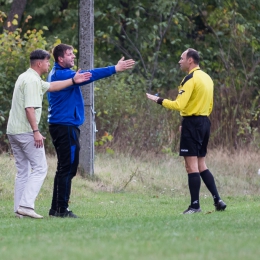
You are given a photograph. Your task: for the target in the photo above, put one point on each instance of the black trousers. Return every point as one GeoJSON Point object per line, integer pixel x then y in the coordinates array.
{"type": "Point", "coordinates": [66, 142]}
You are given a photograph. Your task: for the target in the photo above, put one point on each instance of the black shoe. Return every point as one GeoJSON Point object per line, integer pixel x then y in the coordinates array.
{"type": "Point", "coordinates": [52, 213]}
{"type": "Point", "coordinates": [220, 205]}
{"type": "Point", "coordinates": [190, 210]}
{"type": "Point", "coordinates": [66, 214]}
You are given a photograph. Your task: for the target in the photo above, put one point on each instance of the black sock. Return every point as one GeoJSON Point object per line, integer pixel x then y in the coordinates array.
{"type": "Point", "coordinates": [209, 181]}
{"type": "Point", "coordinates": [194, 186]}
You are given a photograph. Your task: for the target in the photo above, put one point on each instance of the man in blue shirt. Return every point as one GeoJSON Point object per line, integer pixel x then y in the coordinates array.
{"type": "Point", "coordinates": [66, 114]}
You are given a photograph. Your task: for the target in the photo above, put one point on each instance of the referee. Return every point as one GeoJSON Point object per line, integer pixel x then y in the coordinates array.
{"type": "Point", "coordinates": [195, 103]}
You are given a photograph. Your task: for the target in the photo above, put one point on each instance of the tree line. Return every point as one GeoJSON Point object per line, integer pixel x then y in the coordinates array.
{"type": "Point", "coordinates": [154, 33]}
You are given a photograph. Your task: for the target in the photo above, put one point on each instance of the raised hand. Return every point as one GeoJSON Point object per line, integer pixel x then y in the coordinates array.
{"type": "Point", "coordinates": [81, 77]}
{"type": "Point", "coordinates": [124, 64]}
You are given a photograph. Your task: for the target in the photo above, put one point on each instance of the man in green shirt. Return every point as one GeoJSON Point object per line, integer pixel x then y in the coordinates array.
{"type": "Point", "coordinates": [23, 133]}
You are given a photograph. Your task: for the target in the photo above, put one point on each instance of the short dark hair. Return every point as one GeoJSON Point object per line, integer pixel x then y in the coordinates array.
{"type": "Point", "coordinates": [59, 51]}
{"type": "Point", "coordinates": [191, 53]}
{"type": "Point", "coordinates": [39, 54]}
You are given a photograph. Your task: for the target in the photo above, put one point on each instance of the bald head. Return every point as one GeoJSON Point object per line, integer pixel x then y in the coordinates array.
{"type": "Point", "coordinates": [189, 60]}
{"type": "Point", "coordinates": [191, 53]}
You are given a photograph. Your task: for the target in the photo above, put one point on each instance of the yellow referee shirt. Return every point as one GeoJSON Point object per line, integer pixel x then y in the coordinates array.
{"type": "Point", "coordinates": [195, 97]}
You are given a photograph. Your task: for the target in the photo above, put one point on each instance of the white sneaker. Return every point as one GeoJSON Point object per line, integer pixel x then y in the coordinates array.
{"type": "Point", "coordinates": [28, 212]}
{"type": "Point", "coordinates": [17, 215]}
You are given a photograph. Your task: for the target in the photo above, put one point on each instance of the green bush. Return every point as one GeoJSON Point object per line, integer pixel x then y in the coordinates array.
{"type": "Point", "coordinates": [136, 123]}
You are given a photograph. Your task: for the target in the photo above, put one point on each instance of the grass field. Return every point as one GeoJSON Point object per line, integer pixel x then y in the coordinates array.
{"type": "Point", "coordinates": [131, 210]}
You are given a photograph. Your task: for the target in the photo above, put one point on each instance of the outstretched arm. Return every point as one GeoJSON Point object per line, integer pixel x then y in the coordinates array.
{"type": "Point", "coordinates": [78, 78]}
{"type": "Point", "coordinates": [100, 73]}
{"type": "Point", "coordinates": [152, 97]}
{"type": "Point", "coordinates": [124, 64]}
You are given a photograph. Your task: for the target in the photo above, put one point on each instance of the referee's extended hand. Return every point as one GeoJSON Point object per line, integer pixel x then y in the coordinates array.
{"type": "Point", "coordinates": [152, 97]}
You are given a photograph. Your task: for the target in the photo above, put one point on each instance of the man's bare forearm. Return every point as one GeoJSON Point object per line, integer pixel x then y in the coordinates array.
{"type": "Point", "coordinates": [30, 114]}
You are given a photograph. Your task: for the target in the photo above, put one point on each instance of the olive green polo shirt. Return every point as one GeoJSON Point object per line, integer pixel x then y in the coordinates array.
{"type": "Point", "coordinates": [28, 92]}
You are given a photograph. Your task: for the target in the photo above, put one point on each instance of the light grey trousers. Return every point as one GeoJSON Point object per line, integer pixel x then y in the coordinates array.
{"type": "Point", "coordinates": [31, 169]}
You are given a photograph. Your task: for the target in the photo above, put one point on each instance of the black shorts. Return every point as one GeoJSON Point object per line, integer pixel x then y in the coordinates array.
{"type": "Point", "coordinates": [195, 133]}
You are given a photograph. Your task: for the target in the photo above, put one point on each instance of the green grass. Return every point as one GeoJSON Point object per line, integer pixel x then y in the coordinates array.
{"type": "Point", "coordinates": [133, 226]}
{"type": "Point", "coordinates": [143, 221]}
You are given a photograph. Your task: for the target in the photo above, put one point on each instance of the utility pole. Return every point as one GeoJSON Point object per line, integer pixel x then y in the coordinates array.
{"type": "Point", "coordinates": [86, 61]}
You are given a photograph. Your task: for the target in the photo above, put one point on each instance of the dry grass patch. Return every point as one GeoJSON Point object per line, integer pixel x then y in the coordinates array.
{"type": "Point", "coordinates": [235, 174]}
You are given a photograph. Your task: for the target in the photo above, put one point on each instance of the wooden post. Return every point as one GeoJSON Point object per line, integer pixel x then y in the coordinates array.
{"type": "Point", "coordinates": [86, 61]}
